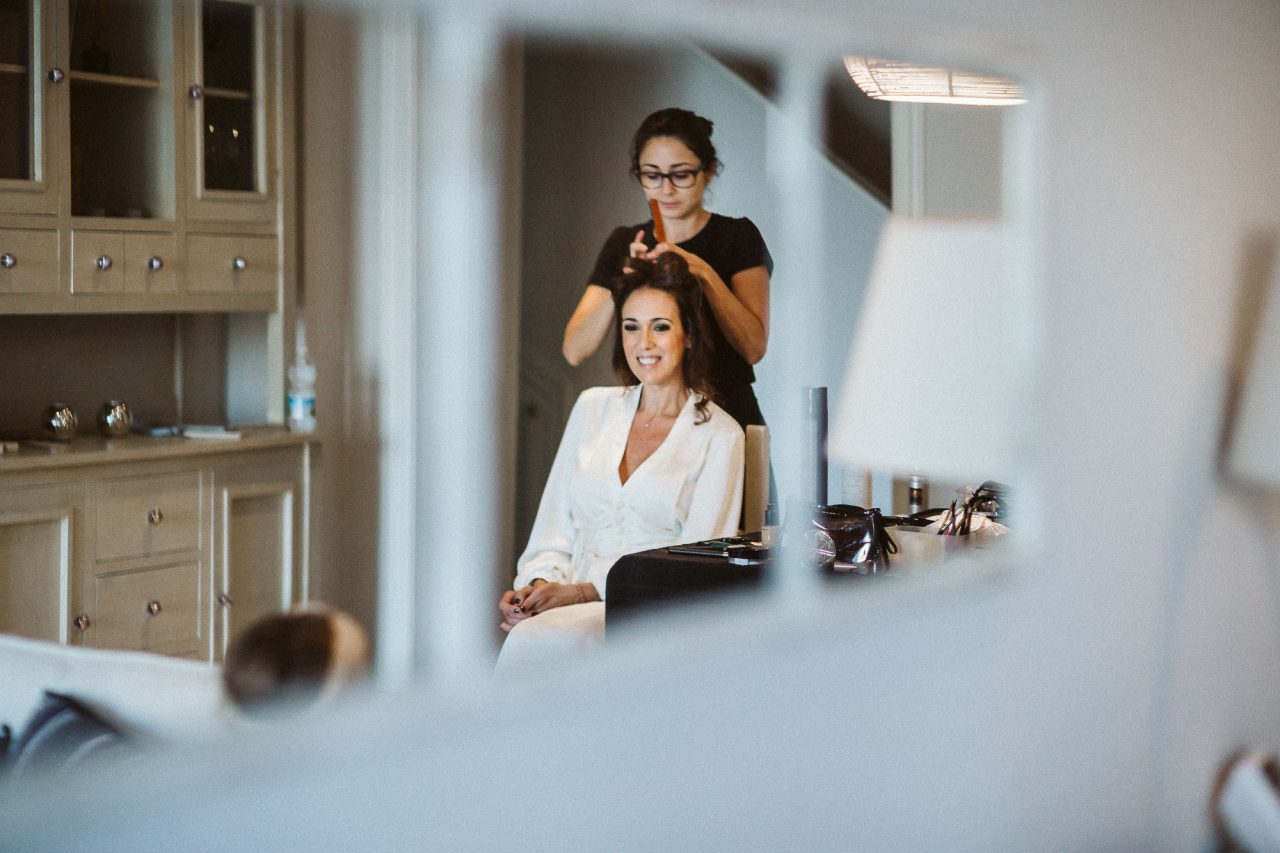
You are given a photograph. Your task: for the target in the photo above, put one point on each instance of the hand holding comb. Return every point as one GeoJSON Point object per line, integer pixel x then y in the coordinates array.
{"type": "Point", "coordinates": [659, 232]}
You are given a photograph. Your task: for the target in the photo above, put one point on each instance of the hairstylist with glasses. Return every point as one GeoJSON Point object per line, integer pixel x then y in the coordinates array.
{"type": "Point", "coordinates": [674, 160]}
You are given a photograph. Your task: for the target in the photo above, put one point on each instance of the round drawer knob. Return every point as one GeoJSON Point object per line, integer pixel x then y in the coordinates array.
{"type": "Point", "coordinates": [154, 516]}
{"type": "Point", "coordinates": [153, 607]}
{"type": "Point", "coordinates": [83, 622]}
{"type": "Point", "coordinates": [8, 261]}
{"type": "Point", "coordinates": [196, 92]}
{"type": "Point", "coordinates": [239, 264]}
{"type": "Point", "coordinates": [225, 600]}
{"type": "Point", "coordinates": [104, 262]}
{"type": "Point", "coordinates": [55, 75]}
{"type": "Point", "coordinates": [156, 263]}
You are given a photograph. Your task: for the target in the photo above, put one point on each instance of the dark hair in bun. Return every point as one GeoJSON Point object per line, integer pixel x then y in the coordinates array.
{"type": "Point", "coordinates": [689, 127]}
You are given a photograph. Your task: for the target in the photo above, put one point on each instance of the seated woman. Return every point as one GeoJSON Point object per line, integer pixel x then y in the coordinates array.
{"type": "Point", "coordinates": [650, 464]}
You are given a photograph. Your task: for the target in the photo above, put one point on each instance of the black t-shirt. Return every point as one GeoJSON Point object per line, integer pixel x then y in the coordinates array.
{"type": "Point", "coordinates": [729, 246]}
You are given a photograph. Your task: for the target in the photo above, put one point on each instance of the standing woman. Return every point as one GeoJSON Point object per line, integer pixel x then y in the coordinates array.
{"type": "Point", "coordinates": [674, 160]}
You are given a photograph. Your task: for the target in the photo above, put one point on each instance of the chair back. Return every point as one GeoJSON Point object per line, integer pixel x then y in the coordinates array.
{"type": "Point", "coordinates": [755, 481]}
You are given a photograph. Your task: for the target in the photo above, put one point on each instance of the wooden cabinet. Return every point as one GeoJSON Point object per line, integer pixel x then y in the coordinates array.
{"type": "Point", "coordinates": [146, 168]}
{"type": "Point", "coordinates": [173, 554]}
{"type": "Point", "coordinates": [29, 181]}
{"type": "Point", "coordinates": [117, 107]}
{"type": "Point", "coordinates": [257, 522]}
{"type": "Point", "coordinates": [148, 514]}
{"type": "Point", "coordinates": [144, 587]}
{"type": "Point", "coordinates": [231, 51]}
{"type": "Point", "coordinates": [139, 138]}
{"type": "Point", "coordinates": [154, 608]}
{"type": "Point", "coordinates": [232, 264]}
{"type": "Point", "coordinates": [123, 262]}
{"type": "Point", "coordinates": [41, 531]}
{"type": "Point", "coordinates": [28, 261]}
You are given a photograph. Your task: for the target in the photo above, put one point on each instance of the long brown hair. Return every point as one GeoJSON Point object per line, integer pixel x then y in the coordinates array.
{"type": "Point", "coordinates": [670, 274]}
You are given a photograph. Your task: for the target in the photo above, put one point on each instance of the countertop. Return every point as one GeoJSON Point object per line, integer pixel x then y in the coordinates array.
{"type": "Point", "coordinates": [97, 450]}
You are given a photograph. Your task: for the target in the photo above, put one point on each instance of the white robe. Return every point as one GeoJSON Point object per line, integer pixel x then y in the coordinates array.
{"type": "Point", "coordinates": [688, 490]}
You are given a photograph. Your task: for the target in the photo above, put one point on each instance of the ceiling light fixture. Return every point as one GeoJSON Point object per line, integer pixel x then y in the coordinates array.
{"type": "Point", "coordinates": [895, 80]}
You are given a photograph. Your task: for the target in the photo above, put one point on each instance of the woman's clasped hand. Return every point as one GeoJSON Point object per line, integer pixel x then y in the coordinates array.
{"type": "Point", "coordinates": [519, 604]}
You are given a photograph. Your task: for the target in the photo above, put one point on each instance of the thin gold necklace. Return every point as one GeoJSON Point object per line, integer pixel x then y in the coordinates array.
{"type": "Point", "coordinates": [649, 422]}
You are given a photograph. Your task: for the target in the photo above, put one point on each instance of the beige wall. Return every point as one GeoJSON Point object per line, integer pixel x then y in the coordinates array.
{"type": "Point", "coordinates": [84, 360]}
{"type": "Point", "coordinates": [345, 498]}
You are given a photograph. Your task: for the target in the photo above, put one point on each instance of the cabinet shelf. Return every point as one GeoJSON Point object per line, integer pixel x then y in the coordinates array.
{"type": "Point", "coordinates": [97, 79]}
{"type": "Point", "coordinates": [11, 68]}
{"type": "Point", "coordinates": [228, 94]}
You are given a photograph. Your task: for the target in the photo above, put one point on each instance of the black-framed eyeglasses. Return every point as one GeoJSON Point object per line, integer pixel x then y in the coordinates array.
{"type": "Point", "coordinates": [681, 179]}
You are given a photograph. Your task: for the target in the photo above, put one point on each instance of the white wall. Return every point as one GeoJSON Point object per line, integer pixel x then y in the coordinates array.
{"type": "Point", "coordinates": [1081, 698]}
{"type": "Point", "coordinates": [948, 162]}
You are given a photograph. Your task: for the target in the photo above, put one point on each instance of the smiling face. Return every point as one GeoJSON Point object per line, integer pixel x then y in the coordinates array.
{"type": "Point", "coordinates": [653, 337]}
{"type": "Point", "coordinates": [668, 155]}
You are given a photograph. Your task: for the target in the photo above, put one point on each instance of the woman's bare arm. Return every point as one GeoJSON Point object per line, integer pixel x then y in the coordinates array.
{"type": "Point", "coordinates": [741, 307]}
{"type": "Point", "coordinates": [742, 310]}
{"type": "Point", "coordinates": [589, 325]}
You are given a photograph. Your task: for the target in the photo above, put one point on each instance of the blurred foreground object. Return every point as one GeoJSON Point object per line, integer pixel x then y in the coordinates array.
{"type": "Point", "coordinates": [287, 661]}
{"type": "Point", "coordinates": [1251, 456]}
{"type": "Point", "coordinates": [1247, 803]}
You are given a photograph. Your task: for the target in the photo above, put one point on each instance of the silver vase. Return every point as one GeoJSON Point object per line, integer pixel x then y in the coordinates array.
{"type": "Point", "coordinates": [114, 419]}
{"type": "Point", "coordinates": [60, 421]}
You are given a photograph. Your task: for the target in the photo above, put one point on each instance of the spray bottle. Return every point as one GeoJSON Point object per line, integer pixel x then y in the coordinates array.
{"type": "Point", "coordinates": [302, 386]}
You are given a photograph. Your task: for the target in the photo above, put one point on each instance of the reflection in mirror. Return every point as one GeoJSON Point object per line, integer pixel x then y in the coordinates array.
{"type": "Point", "coordinates": [596, 96]}
{"type": "Point", "coordinates": [861, 161]}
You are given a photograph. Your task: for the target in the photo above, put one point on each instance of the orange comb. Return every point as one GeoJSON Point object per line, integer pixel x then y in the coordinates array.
{"type": "Point", "coordinates": [659, 232]}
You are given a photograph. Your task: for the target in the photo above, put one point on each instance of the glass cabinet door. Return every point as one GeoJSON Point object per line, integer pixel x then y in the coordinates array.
{"type": "Point", "coordinates": [230, 107]}
{"type": "Point", "coordinates": [29, 85]}
{"type": "Point", "coordinates": [122, 124]}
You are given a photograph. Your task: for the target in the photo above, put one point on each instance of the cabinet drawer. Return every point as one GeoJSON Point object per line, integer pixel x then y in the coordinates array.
{"type": "Point", "coordinates": [231, 264]}
{"type": "Point", "coordinates": [28, 261]}
{"type": "Point", "coordinates": [154, 609]}
{"type": "Point", "coordinates": [140, 516]}
{"type": "Point", "coordinates": [97, 262]}
{"type": "Point", "coordinates": [129, 262]}
{"type": "Point", "coordinates": [150, 263]}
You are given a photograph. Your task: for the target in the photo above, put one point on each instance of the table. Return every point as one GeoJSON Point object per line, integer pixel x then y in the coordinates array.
{"type": "Point", "coordinates": [646, 580]}
{"type": "Point", "coordinates": [649, 580]}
